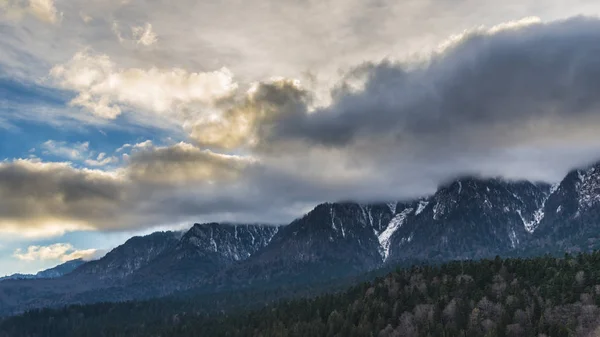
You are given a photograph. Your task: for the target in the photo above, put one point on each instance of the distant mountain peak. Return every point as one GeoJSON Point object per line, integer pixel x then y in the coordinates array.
{"type": "Point", "coordinates": [54, 272]}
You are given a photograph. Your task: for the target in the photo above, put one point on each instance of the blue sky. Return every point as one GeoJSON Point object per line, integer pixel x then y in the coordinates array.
{"type": "Point", "coordinates": [119, 118]}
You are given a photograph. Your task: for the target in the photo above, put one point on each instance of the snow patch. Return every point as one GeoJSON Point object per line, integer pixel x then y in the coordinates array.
{"type": "Point", "coordinates": [437, 210]}
{"type": "Point", "coordinates": [332, 216]}
{"type": "Point", "coordinates": [392, 207]}
{"type": "Point", "coordinates": [421, 207]}
{"type": "Point", "coordinates": [588, 189]}
{"type": "Point", "coordinates": [393, 226]}
{"type": "Point", "coordinates": [530, 226]}
{"type": "Point", "coordinates": [212, 240]}
{"type": "Point", "coordinates": [554, 187]}
{"type": "Point", "coordinates": [514, 241]}
{"type": "Point", "coordinates": [539, 214]}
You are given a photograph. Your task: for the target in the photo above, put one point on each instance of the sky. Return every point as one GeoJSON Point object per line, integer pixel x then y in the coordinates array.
{"type": "Point", "coordinates": [123, 117]}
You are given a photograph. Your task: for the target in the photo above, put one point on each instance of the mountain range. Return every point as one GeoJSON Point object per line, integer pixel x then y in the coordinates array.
{"type": "Point", "coordinates": [58, 271]}
{"type": "Point", "coordinates": [469, 218]}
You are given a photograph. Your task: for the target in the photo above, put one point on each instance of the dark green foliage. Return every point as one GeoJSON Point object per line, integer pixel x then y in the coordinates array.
{"type": "Point", "coordinates": [543, 296]}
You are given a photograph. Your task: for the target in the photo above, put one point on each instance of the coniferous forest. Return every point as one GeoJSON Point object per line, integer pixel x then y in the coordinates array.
{"type": "Point", "coordinates": [543, 296]}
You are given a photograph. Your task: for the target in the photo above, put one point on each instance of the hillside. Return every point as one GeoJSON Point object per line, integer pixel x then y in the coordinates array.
{"type": "Point", "coordinates": [543, 296]}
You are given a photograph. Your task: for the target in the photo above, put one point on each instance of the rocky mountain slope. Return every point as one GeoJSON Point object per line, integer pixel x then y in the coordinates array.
{"type": "Point", "coordinates": [570, 218]}
{"type": "Point", "coordinates": [127, 258]}
{"type": "Point", "coordinates": [202, 251]}
{"type": "Point", "coordinates": [469, 218]}
{"type": "Point", "coordinates": [142, 267]}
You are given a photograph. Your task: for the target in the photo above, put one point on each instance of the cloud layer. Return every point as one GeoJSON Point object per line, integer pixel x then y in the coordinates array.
{"type": "Point", "coordinates": [518, 100]}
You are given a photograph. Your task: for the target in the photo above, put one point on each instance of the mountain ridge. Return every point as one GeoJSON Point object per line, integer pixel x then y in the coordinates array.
{"type": "Point", "coordinates": [468, 218]}
{"type": "Point", "coordinates": [56, 271]}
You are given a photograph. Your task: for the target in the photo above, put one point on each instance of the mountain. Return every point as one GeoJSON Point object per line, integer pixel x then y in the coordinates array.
{"type": "Point", "coordinates": [469, 218]}
{"type": "Point", "coordinates": [61, 269]}
{"type": "Point", "coordinates": [127, 258]}
{"type": "Point", "coordinates": [570, 218]}
{"type": "Point", "coordinates": [202, 251]}
{"type": "Point", "coordinates": [142, 267]}
{"type": "Point", "coordinates": [58, 271]}
{"type": "Point", "coordinates": [332, 240]}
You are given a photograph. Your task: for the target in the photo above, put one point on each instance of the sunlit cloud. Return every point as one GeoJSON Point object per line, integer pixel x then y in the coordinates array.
{"type": "Point", "coordinates": [106, 90]}
{"type": "Point", "coordinates": [59, 251]}
{"type": "Point", "coordinates": [76, 151]}
{"type": "Point", "coordinates": [44, 10]}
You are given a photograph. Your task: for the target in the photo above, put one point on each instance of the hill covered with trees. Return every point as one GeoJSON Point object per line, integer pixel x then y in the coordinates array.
{"type": "Point", "coordinates": [544, 296]}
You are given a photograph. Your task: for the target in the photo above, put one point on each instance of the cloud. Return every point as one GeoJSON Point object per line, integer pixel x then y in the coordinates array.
{"type": "Point", "coordinates": [58, 251]}
{"type": "Point", "coordinates": [85, 17]}
{"type": "Point", "coordinates": [43, 10]}
{"type": "Point", "coordinates": [241, 124]}
{"type": "Point", "coordinates": [77, 151]}
{"type": "Point", "coordinates": [144, 35]}
{"type": "Point", "coordinates": [140, 35]}
{"type": "Point", "coordinates": [101, 160]}
{"type": "Point", "coordinates": [517, 100]}
{"type": "Point", "coordinates": [530, 85]}
{"type": "Point", "coordinates": [457, 39]}
{"type": "Point", "coordinates": [44, 199]}
{"type": "Point", "coordinates": [182, 163]}
{"type": "Point", "coordinates": [105, 90]}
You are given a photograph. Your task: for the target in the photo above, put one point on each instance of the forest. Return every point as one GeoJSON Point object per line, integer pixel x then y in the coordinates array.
{"type": "Point", "coordinates": [545, 296]}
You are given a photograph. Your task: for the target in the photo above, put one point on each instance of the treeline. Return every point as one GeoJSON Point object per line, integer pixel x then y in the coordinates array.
{"type": "Point", "coordinates": [544, 296]}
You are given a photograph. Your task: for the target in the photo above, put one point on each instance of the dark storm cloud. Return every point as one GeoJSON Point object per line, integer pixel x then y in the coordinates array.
{"type": "Point", "coordinates": [48, 198]}
{"type": "Point", "coordinates": [486, 89]}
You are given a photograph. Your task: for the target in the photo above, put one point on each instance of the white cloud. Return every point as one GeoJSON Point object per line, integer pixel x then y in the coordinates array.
{"type": "Point", "coordinates": [106, 90]}
{"type": "Point", "coordinates": [85, 17]}
{"type": "Point", "coordinates": [457, 39]}
{"type": "Point", "coordinates": [43, 10]}
{"type": "Point", "coordinates": [77, 151]}
{"type": "Point", "coordinates": [144, 35]}
{"type": "Point", "coordinates": [59, 251]}
{"type": "Point", "coordinates": [101, 160]}
{"type": "Point", "coordinates": [123, 148]}
{"type": "Point", "coordinates": [140, 35]}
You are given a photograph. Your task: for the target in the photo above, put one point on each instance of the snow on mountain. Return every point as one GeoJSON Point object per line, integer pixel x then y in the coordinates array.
{"type": "Point", "coordinates": [422, 205]}
{"type": "Point", "coordinates": [231, 242]}
{"type": "Point", "coordinates": [588, 188]}
{"type": "Point", "coordinates": [392, 227]}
